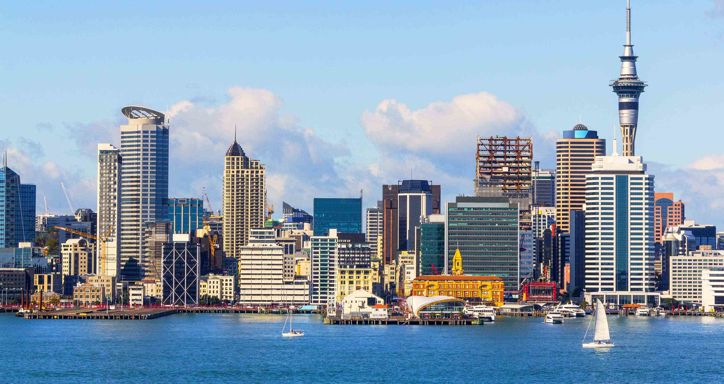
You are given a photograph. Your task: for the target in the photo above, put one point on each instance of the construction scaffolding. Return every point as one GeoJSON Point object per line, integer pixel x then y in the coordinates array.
{"type": "Point", "coordinates": [504, 166]}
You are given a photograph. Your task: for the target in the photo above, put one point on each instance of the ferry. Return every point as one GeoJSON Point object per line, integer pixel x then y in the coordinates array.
{"type": "Point", "coordinates": [570, 310]}
{"type": "Point", "coordinates": [482, 312]}
{"type": "Point", "coordinates": [643, 311]}
{"type": "Point", "coordinates": [554, 318]}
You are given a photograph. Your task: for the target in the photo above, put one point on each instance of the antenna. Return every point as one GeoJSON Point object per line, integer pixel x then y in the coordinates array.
{"type": "Point", "coordinates": [628, 22]}
{"type": "Point", "coordinates": [235, 133]}
{"type": "Point", "coordinates": [615, 143]}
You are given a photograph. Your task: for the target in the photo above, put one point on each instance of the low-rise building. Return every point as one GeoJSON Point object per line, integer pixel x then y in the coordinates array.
{"type": "Point", "coordinates": [486, 289]}
{"type": "Point", "coordinates": [14, 282]}
{"type": "Point", "coordinates": [363, 304]}
{"type": "Point", "coordinates": [686, 273]}
{"type": "Point", "coordinates": [221, 287]}
{"type": "Point", "coordinates": [712, 288]}
{"type": "Point", "coordinates": [48, 282]}
{"type": "Point", "coordinates": [108, 283]}
{"type": "Point", "coordinates": [435, 306]}
{"type": "Point", "coordinates": [88, 294]}
{"type": "Point", "coordinates": [136, 294]}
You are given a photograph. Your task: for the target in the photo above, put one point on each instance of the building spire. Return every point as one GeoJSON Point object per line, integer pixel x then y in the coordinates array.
{"type": "Point", "coordinates": [628, 22]}
{"type": "Point", "coordinates": [235, 133]}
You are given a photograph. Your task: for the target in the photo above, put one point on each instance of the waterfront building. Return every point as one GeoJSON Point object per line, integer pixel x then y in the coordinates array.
{"type": "Point", "coordinates": [363, 304]}
{"type": "Point", "coordinates": [244, 198]}
{"type": "Point", "coordinates": [712, 288]}
{"type": "Point", "coordinates": [667, 213]}
{"type": "Point", "coordinates": [485, 230]}
{"type": "Point", "coordinates": [144, 183]}
{"type": "Point", "coordinates": [181, 271]}
{"type": "Point", "coordinates": [324, 252]}
{"type": "Point", "coordinates": [185, 214]}
{"type": "Point", "coordinates": [686, 274]}
{"type": "Point", "coordinates": [17, 209]}
{"type": "Point", "coordinates": [504, 167]}
{"type": "Point", "coordinates": [432, 245]}
{"type": "Point", "coordinates": [342, 214]}
{"type": "Point", "coordinates": [681, 239]}
{"type": "Point", "coordinates": [78, 257]}
{"type": "Point", "coordinates": [108, 195]}
{"type": "Point", "coordinates": [628, 87]}
{"type": "Point", "coordinates": [48, 282]}
{"type": "Point", "coordinates": [575, 152]}
{"type": "Point", "coordinates": [261, 273]}
{"type": "Point", "coordinates": [373, 226]}
{"type": "Point", "coordinates": [221, 287]}
{"type": "Point", "coordinates": [620, 231]}
{"type": "Point", "coordinates": [543, 184]}
{"type": "Point", "coordinates": [485, 289]}
{"type": "Point", "coordinates": [87, 294]}
{"type": "Point", "coordinates": [15, 281]}
{"type": "Point", "coordinates": [435, 306]}
{"type": "Point", "coordinates": [539, 292]}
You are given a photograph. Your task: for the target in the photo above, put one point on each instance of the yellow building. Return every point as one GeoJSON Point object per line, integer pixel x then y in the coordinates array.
{"type": "Point", "coordinates": [351, 280]}
{"type": "Point", "coordinates": [88, 294]}
{"type": "Point", "coordinates": [486, 289]}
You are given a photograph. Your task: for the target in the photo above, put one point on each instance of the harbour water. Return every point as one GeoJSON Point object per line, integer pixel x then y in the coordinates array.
{"type": "Point", "coordinates": [249, 348]}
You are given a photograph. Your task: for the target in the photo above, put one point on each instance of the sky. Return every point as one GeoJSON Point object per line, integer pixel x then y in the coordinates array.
{"type": "Point", "coordinates": [340, 97]}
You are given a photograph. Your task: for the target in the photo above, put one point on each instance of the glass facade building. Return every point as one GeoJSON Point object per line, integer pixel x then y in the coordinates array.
{"type": "Point", "coordinates": [414, 201]}
{"type": "Point", "coordinates": [342, 214]}
{"type": "Point", "coordinates": [17, 209]}
{"type": "Point", "coordinates": [432, 246]}
{"type": "Point", "coordinates": [485, 229]}
{"type": "Point", "coordinates": [185, 214]}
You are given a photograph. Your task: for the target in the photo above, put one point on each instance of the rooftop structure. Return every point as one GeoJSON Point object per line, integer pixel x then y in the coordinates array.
{"type": "Point", "coordinates": [504, 166]}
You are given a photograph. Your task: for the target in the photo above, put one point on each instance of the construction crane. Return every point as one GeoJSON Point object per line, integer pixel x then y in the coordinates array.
{"type": "Point", "coordinates": [67, 197]}
{"type": "Point", "coordinates": [102, 242]}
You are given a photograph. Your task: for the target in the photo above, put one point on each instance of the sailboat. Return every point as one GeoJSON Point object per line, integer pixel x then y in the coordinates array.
{"type": "Point", "coordinates": [601, 337]}
{"type": "Point", "coordinates": [292, 332]}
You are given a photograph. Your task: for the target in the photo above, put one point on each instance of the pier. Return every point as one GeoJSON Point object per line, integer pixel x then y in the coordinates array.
{"type": "Point", "coordinates": [86, 314]}
{"type": "Point", "coordinates": [399, 320]}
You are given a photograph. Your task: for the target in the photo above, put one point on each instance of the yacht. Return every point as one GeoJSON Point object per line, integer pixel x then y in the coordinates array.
{"type": "Point", "coordinates": [481, 311]}
{"type": "Point", "coordinates": [601, 336]}
{"type": "Point", "coordinates": [554, 318]}
{"type": "Point", "coordinates": [291, 332]}
{"type": "Point", "coordinates": [643, 311]}
{"type": "Point", "coordinates": [570, 310]}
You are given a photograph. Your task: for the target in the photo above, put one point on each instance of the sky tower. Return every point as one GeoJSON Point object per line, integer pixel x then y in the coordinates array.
{"type": "Point", "coordinates": [628, 87]}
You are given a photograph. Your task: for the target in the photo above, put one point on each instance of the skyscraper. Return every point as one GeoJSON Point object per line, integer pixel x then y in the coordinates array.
{"type": "Point", "coordinates": [342, 214]}
{"type": "Point", "coordinates": [244, 198]}
{"type": "Point", "coordinates": [414, 201]}
{"type": "Point", "coordinates": [432, 245]}
{"type": "Point", "coordinates": [324, 253]}
{"type": "Point", "coordinates": [575, 153]}
{"type": "Point", "coordinates": [17, 209]}
{"type": "Point", "coordinates": [619, 264]}
{"type": "Point", "coordinates": [144, 183]}
{"type": "Point", "coordinates": [667, 213]}
{"type": "Point", "coordinates": [185, 214]}
{"type": "Point", "coordinates": [485, 230]}
{"type": "Point", "coordinates": [543, 186]}
{"type": "Point", "coordinates": [628, 87]}
{"type": "Point", "coordinates": [109, 205]}
{"type": "Point", "coordinates": [373, 226]}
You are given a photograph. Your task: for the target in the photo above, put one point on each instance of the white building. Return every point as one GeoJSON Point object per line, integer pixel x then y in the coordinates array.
{"type": "Point", "coordinates": [221, 287]}
{"type": "Point", "coordinates": [243, 198]}
{"type": "Point", "coordinates": [261, 273]}
{"type": "Point", "coordinates": [144, 184]}
{"type": "Point", "coordinates": [78, 257]}
{"type": "Point", "coordinates": [324, 268]}
{"type": "Point", "coordinates": [373, 227]}
{"type": "Point", "coordinates": [109, 203]}
{"type": "Point", "coordinates": [619, 242]}
{"type": "Point", "coordinates": [685, 275]}
{"type": "Point", "coordinates": [363, 304]}
{"type": "Point", "coordinates": [712, 288]}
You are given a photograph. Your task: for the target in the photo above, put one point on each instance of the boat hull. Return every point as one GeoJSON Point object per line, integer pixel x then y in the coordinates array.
{"type": "Point", "coordinates": [597, 345]}
{"type": "Point", "coordinates": [293, 334]}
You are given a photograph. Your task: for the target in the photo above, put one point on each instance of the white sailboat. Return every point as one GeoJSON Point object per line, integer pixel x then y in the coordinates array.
{"type": "Point", "coordinates": [292, 332]}
{"type": "Point", "coordinates": [601, 337]}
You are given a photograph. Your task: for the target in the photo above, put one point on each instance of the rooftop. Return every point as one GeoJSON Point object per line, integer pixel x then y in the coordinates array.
{"type": "Point", "coordinates": [457, 278]}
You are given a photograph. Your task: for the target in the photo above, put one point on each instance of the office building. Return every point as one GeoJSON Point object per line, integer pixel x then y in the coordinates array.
{"type": "Point", "coordinates": [15, 282]}
{"type": "Point", "coordinates": [373, 226]}
{"type": "Point", "coordinates": [686, 274]}
{"type": "Point", "coordinates": [504, 168]}
{"type": "Point", "coordinates": [78, 257]}
{"type": "Point", "coordinates": [296, 216]}
{"type": "Point", "coordinates": [185, 214]}
{"type": "Point", "coordinates": [680, 240]}
{"type": "Point", "coordinates": [667, 213]}
{"type": "Point", "coordinates": [577, 250]}
{"type": "Point", "coordinates": [527, 261]}
{"type": "Point", "coordinates": [620, 231]}
{"type": "Point", "coordinates": [628, 87]}
{"type": "Point", "coordinates": [432, 245]}
{"type": "Point", "coordinates": [712, 288]}
{"type": "Point", "coordinates": [17, 209]}
{"type": "Point", "coordinates": [108, 217]}
{"type": "Point", "coordinates": [485, 230]}
{"type": "Point", "coordinates": [244, 198]}
{"type": "Point", "coordinates": [144, 183]}
{"type": "Point", "coordinates": [342, 214]}
{"type": "Point", "coordinates": [220, 287]}
{"type": "Point", "coordinates": [575, 153]}
{"type": "Point", "coordinates": [261, 273]}
{"type": "Point", "coordinates": [324, 253]}
{"type": "Point", "coordinates": [414, 201]}
{"type": "Point", "coordinates": [181, 271]}
{"type": "Point", "coordinates": [543, 184]}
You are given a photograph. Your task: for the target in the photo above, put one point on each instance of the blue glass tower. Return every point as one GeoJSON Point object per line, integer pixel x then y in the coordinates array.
{"type": "Point", "coordinates": [185, 214]}
{"type": "Point", "coordinates": [17, 209]}
{"type": "Point", "coordinates": [342, 214]}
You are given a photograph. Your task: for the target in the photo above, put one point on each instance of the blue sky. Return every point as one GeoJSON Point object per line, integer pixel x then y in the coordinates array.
{"type": "Point", "coordinates": [321, 67]}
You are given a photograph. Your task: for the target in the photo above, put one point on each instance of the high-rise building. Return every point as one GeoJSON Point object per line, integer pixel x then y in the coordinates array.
{"type": "Point", "coordinates": [543, 186]}
{"type": "Point", "coordinates": [485, 230]}
{"type": "Point", "coordinates": [504, 167]}
{"type": "Point", "coordinates": [181, 271]}
{"type": "Point", "coordinates": [109, 204]}
{"type": "Point", "coordinates": [577, 251]}
{"type": "Point", "coordinates": [185, 214]}
{"type": "Point", "coordinates": [324, 252]}
{"type": "Point", "coordinates": [373, 226]}
{"type": "Point", "coordinates": [414, 201]}
{"type": "Point", "coordinates": [244, 198]}
{"type": "Point", "coordinates": [144, 183]}
{"type": "Point", "coordinates": [342, 214]}
{"type": "Point", "coordinates": [390, 228]}
{"type": "Point", "coordinates": [620, 231]}
{"type": "Point", "coordinates": [432, 245]}
{"type": "Point", "coordinates": [667, 213]}
{"type": "Point", "coordinates": [155, 235]}
{"type": "Point", "coordinates": [17, 209]}
{"type": "Point", "coordinates": [628, 87]}
{"type": "Point", "coordinates": [78, 257]}
{"type": "Point", "coordinates": [575, 153]}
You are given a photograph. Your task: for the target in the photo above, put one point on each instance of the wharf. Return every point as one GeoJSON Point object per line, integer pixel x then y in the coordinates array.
{"type": "Point", "coordinates": [90, 314]}
{"type": "Point", "coordinates": [399, 321]}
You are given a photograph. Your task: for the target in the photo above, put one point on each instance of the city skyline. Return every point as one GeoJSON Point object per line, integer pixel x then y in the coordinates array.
{"type": "Point", "coordinates": [366, 156]}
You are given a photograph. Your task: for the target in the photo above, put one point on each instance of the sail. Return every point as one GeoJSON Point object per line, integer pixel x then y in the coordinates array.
{"type": "Point", "coordinates": [601, 331]}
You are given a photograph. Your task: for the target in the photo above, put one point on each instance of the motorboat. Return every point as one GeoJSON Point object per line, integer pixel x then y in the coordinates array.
{"type": "Point", "coordinates": [572, 310]}
{"type": "Point", "coordinates": [643, 311]}
{"type": "Point", "coordinates": [553, 318]}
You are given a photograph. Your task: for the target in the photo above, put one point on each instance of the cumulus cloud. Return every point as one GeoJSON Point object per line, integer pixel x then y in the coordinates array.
{"type": "Point", "coordinates": [438, 141]}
